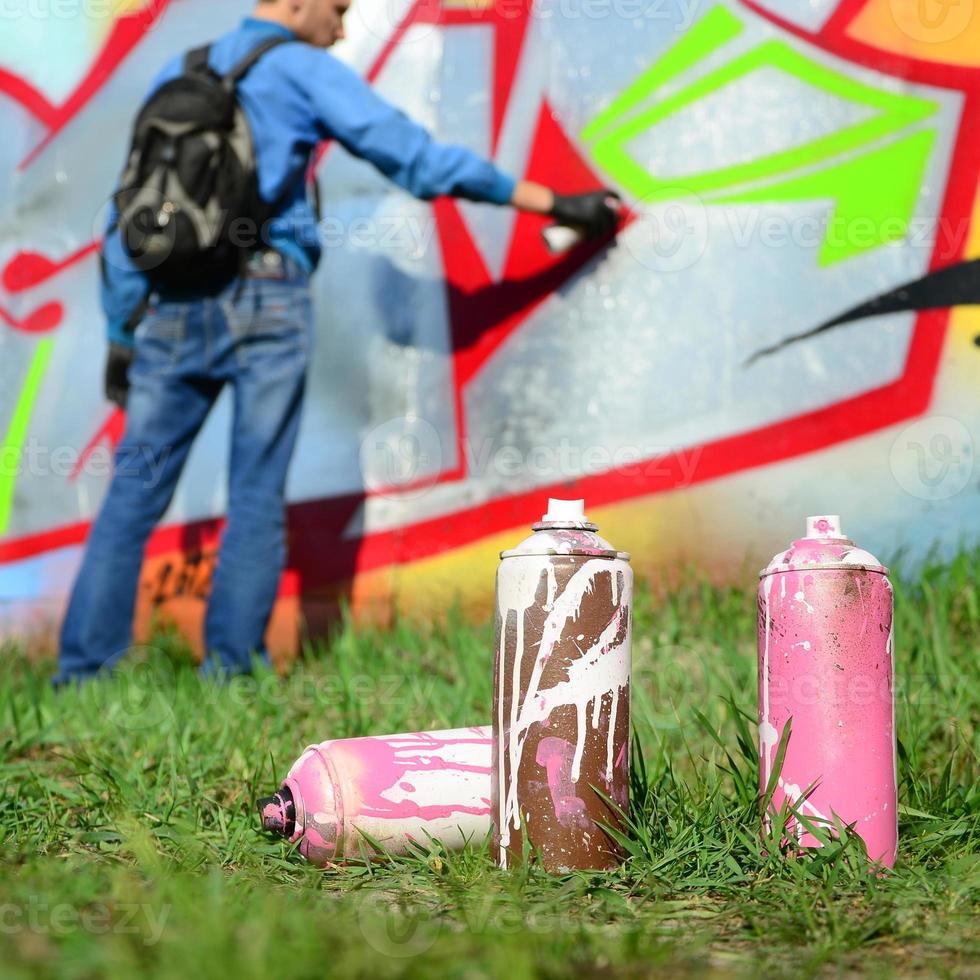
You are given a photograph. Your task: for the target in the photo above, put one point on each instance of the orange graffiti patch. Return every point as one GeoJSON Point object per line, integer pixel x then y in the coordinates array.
{"type": "Point", "coordinates": [944, 31]}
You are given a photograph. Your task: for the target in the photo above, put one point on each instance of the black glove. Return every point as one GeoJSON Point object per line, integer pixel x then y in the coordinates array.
{"type": "Point", "coordinates": [117, 373]}
{"type": "Point", "coordinates": [595, 212]}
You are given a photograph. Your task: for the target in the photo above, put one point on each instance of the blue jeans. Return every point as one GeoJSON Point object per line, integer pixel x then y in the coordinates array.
{"type": "Point", "coordinates": [255, 335]}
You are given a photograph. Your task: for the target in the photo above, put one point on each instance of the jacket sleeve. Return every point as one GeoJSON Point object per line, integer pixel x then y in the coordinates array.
{"type": "Point", "coordinates": [348, 110]}
{"type": "Point", "coordinates": [124, 289]}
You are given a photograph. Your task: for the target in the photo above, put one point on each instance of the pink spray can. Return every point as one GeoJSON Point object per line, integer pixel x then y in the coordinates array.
{"type": "Point", "coordinates": [394, 789]}
{"type": "Point", "coordinates": [826, 661]}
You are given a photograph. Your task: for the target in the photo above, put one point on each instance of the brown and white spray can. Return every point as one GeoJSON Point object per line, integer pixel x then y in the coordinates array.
{"type": "Point", "coordinates": [561, 714]}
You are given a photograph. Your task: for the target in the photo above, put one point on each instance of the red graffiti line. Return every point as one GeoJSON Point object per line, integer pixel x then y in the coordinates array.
{"type": "Point", "coordinates": [125, 35]}
{"type": "Point", "coordinates": [485, 314]}
{"type": "Point", "coordinates": [42, 320]}
{"type": "Point", "coordinates": [27, 270]}
{"type": "Point", "coordinates": [110, 432]}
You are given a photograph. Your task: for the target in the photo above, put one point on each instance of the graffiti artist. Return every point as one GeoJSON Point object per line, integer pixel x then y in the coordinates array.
{"type": "Point", "coordinates": [196, 299]}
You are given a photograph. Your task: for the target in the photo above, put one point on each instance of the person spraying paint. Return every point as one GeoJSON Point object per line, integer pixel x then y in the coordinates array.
{"type": "Point", "coordinates": [195, 303]}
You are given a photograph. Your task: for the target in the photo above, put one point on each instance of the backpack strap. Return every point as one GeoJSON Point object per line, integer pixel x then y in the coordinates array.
{"type": "Point", "coordinates": [196, 61]}
{"type": "Point", "coordinates": [245, 65]}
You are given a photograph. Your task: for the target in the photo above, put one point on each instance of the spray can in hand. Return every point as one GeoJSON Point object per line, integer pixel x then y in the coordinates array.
{"type": "Point", "coordinates": [582, 216]}
{"type": "Point", "coordinates": [826, 661]}
{"type": "Point", "coordinates": [561, 722]}
{"type": "Point", "coordinates": [341, 795]}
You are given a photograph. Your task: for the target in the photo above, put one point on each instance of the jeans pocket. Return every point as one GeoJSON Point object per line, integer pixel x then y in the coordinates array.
{"type": "Point", "coordinates": [277, 333]}
{"type": "Point", "coordinates": [158, 336]}
{"type": "Point", "coordinates": [280, 300]}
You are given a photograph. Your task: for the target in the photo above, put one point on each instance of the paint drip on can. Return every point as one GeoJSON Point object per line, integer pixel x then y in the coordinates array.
{"type": "Point", "coordinates": [562, 694]}
{"type": "Point", "coordinates": [826, 661]}
{"type": "Point", "coordinates": [342, 795]}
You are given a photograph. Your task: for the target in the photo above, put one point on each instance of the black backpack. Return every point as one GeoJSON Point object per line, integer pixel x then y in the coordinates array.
{"type": "Point", "coordinates": [188, 201]}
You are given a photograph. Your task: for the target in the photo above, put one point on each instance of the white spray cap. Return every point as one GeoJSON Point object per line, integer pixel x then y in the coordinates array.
{"type": "Point", "coordinates": [571, 511]}
{"type": "Point", "coordinates": [824, 526]}
{"type": "Point", "coordinates": [561, 238]}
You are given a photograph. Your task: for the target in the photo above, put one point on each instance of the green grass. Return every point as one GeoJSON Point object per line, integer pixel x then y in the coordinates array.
{"type": "Point", "coordinates": [129, 845]}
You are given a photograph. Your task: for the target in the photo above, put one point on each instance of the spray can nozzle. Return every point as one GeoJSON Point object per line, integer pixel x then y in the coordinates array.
{"type": "Point", "coordinates": [824, 526]}
{"type": "Point", "coordinates": [565, 510]}
{"type": "Point", "coordinates": [565, 514]}
{"type": "Point", "coordinates": [278, 813]}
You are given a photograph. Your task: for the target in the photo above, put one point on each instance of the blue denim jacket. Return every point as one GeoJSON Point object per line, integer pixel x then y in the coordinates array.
{"type": "Point", "coordinates": [294, 98]}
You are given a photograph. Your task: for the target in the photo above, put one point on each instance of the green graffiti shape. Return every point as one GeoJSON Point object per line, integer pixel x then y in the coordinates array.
{"type": "Point", "coordinates": [874, 194]}
{"type": "Point", "coordinates": [880, 187]}
{"type": "Point", "coordinates": [17, 430]}
{"type": "Point", "coordinates": [716, 28]}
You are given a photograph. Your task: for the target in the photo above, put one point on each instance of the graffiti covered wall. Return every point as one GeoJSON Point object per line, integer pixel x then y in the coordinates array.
{"type": "Point", "coordinates": [785, 324]}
